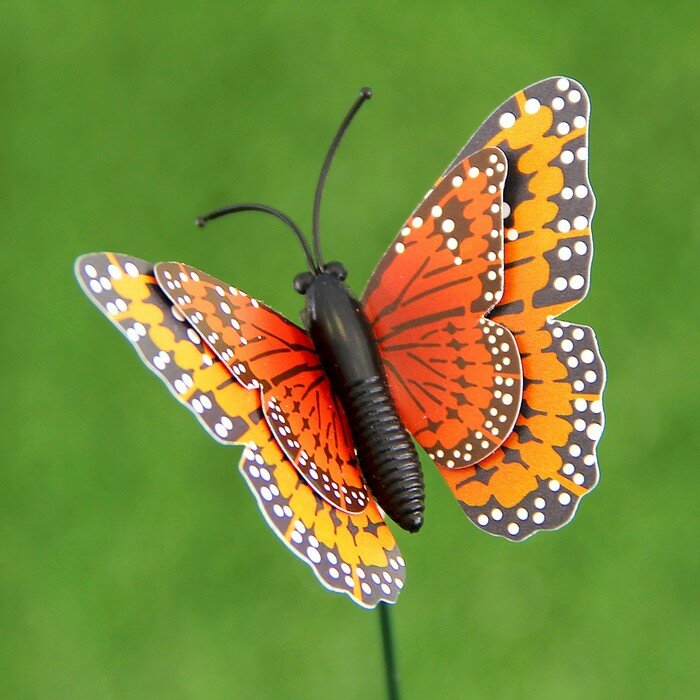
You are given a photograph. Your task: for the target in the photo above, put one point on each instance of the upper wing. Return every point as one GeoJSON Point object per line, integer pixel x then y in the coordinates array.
{"type": "Point", "coordinates": [536, 478]}
{"type": "Point", "coordinates": [455, 376]}
{"type": "Point", "coordinates": [268, 353]}
{"type": "Point", "coordinates": [543, 132]}
{"type": "Point", "coordinates": [353, 554]}
{"type": "Point", "coordinates": [125, 290]}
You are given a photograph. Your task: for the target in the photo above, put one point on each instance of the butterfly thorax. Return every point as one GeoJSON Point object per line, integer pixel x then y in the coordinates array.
{"type": "Point", "coordinates": [341, 333]}
{"type": "Point", "coordinates": [343, 338]}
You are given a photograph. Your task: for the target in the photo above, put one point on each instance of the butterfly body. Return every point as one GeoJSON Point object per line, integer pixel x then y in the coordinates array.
{"type": "Point", "coordinates": [347, 348]}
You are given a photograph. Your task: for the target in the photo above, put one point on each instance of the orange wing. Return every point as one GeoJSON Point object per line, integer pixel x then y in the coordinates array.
{"type": "Point", "coordinates": [353, 554]}
{"type": "Point", "coordinates": [269, 354]}
{"type": "Point", "coordinates": [536, 478]}
{"type": "Point", "coordinates": [454, 375]}
{"type": "Point", "coordinates": [125, 290]}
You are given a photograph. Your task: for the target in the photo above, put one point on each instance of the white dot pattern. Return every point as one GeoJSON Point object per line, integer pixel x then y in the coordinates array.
{"type": "Point", "coordinates": [569, 266]}
{"type": "Point", "coordinates": [135, 278]}
{"type": "Point", "coordinates": [554, 502]}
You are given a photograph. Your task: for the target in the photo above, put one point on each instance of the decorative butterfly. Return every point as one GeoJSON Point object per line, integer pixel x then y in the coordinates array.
{"type": "Point", "coordinates": [454, 342]}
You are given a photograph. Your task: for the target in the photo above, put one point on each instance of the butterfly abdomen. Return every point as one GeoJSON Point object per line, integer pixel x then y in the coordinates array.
{"type": "Point", "coordinates": [347, 348]}
{"type": "Point", "coordinates": [391, 466]}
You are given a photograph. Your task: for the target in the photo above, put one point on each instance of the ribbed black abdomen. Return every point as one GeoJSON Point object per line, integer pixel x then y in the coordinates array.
{"type": "Point", "coordinates": [386, 453]}
{"type": "Point", "coordinates": [347, 348]}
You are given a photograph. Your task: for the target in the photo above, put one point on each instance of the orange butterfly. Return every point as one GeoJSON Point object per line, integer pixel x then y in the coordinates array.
{"type": "Point", "coordinates": [460, 314]}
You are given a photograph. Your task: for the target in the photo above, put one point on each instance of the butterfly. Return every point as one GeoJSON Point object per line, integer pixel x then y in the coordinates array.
{"type": "Point", "coordinates": [454, 342]}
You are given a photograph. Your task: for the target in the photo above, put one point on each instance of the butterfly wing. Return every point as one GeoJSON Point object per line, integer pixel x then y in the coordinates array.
{"type": "Point", "coordinates": [535, 480]}
{"type": "Point", "coordinates": [270, 355]}
{"type": "Point", "coordinates": [543, 131]}
{"type": "Point", "coordinates": [353, 554]}
{"type": "Point", "coordinates": [124, 288]}
{"type": "Point", "coordinates": [454, 375]}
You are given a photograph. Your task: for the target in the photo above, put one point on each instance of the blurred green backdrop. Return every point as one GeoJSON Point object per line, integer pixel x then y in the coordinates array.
{"type": "Point", "coordinates": [134, 561]}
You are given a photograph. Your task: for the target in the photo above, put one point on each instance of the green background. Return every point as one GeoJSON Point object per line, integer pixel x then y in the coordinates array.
{"type": "Point", "coordinates": [134, 562]}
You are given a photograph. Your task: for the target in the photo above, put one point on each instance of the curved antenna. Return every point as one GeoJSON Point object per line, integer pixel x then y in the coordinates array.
{"type": "Point", "coordinates": [365, 94]}
{"type": "Point", "coordinates": [201, 221]}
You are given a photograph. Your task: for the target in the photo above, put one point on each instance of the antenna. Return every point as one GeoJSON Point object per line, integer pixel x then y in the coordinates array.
{"type": "Point", "coordinates": [318, 264]}
{"type": "Point", "coordinates": [201, 221]}
{"type": "Point", "coordinates": [365, 94]}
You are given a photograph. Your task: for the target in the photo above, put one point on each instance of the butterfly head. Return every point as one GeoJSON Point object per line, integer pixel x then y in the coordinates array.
{"type": "Point", "coordinates": [303, 280]}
